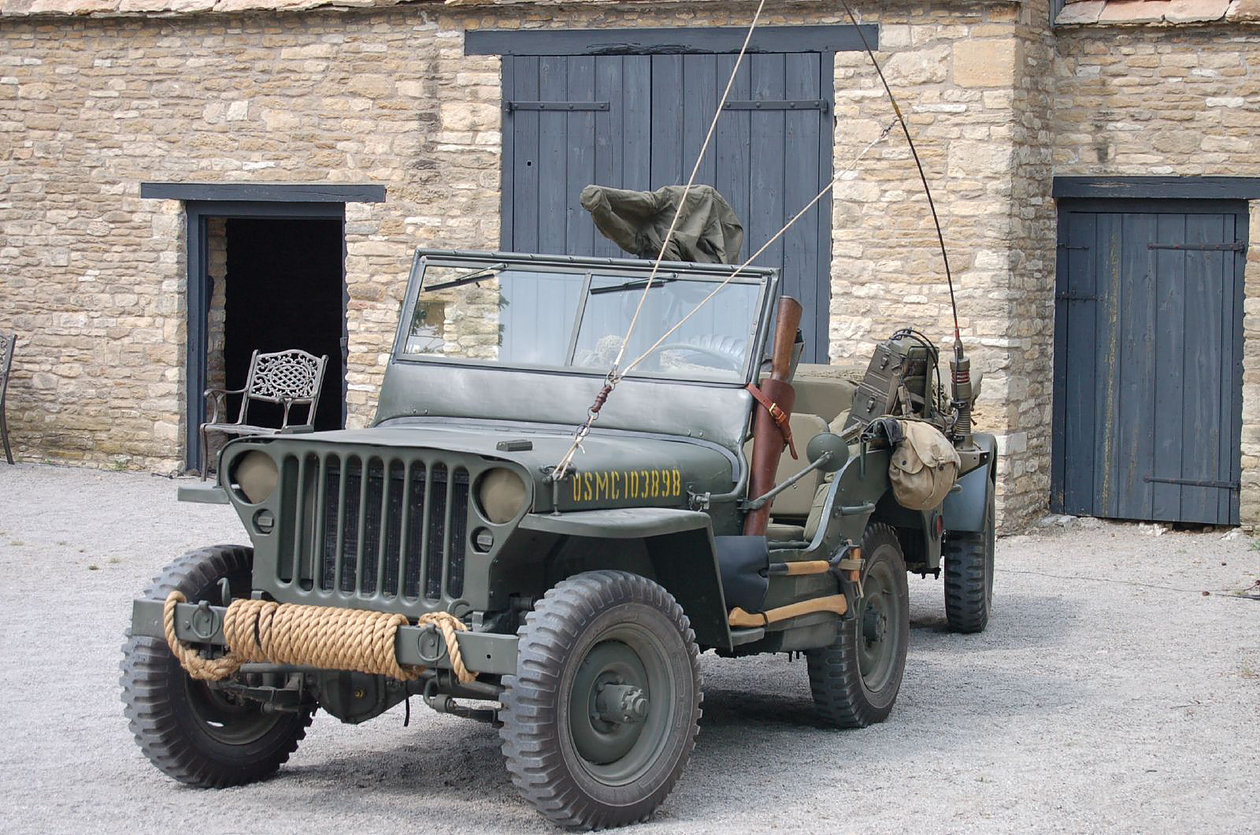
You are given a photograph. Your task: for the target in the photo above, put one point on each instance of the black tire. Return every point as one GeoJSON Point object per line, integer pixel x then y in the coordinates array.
{"type": "Point", "coordinates": [188, 729]}
{"type": "Point", "coordinates": [855, 681]}
{"type": "Point", "coordinates": [968, 560]}
{"type": "Point", "coordinates": [574, 764]}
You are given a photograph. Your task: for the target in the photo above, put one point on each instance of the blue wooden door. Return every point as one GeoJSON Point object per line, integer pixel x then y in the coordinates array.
{"type": "Point", "coordinates": [1148, 360]}
{"type": "Point", "coordinates": [639, 121]}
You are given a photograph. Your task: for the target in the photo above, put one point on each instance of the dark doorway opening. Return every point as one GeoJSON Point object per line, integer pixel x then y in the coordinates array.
{"type": "Point", "coordinates": [284, 289]}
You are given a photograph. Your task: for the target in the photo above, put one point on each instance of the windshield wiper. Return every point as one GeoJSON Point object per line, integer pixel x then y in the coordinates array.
{"type": "Point", "coordinates": [468, 278]}
{"type": "Point", "coordinates": [636, 284]}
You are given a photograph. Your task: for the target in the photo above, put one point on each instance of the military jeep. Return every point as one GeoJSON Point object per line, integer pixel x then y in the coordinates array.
{"type": "Point", "coordinates": [442, 554]}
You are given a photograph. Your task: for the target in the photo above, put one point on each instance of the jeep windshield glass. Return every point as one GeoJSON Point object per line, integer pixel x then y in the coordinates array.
{"type": "Point", "coordinates": [539, 317]}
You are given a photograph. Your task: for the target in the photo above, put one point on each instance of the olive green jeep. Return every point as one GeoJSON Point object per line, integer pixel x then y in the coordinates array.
{"type": "Point", "coordinates": [442, 553]}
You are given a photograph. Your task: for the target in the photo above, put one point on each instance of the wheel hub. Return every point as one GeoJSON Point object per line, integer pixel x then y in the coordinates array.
{"type": "Point", "coordinates": [874, 624]}
{"type": "Point", "coordinates": [620, 704]}
{"type": "Point", "coordinates": [610, 703]}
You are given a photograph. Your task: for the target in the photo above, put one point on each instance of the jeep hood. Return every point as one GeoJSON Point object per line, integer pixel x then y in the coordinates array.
{"type": "Point", "coordinates": [613, 469]}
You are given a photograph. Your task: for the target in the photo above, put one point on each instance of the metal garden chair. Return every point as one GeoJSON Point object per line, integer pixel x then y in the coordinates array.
{"type": "Point", "coordinates": [7, 344]}
{"type": "Point", "coordinates": [288, 378]}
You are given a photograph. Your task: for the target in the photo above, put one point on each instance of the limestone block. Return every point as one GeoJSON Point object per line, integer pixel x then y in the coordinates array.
{"type": "Point", "coordinates": [1134, 11]}
{"type": "Point", "coordinates": [1086, 11]}
{"type": "Point", "coordinates": [926, 66]}
{"type": "Point", "coordinates": [467, 116]}
{"type": "Point", "coordinates": [71, 6]}
{"type": "Point", "coordinates": [1196, 11]}
{"type": "Point", "coordinates": [1244, 11]}
{"type": "Point", "coordinates": [988, 63]}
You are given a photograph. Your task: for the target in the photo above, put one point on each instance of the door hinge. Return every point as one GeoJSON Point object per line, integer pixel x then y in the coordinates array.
{"type": "Point", "coordinates": [1236, 246]}
{"type": "Point", "coordinates": [1073, 297]}
{"type": "Point", "coordinates": [802, 104]}
{"type": "Point", "coordinates": [1187, 482]}
{"type": "Point", "coordinates": [557, 106]}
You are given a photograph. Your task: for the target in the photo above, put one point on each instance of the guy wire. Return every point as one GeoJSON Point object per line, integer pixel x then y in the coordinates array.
{"type": "Point", "coordinates": [770, 242]}
{"type": "Point", "coordinates": [614, 376]}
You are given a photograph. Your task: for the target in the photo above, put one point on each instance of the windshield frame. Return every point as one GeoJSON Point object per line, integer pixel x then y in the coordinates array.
{"type": "Point", "coordinates": [765, 279]}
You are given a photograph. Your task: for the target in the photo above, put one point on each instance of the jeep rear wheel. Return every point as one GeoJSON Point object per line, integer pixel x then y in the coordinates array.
{"type": "Point", "coordinates": [968, 560]}
{"type": "Point", "coordinates": [855, 681]}
{"type": "Point", "coordinates": [191, 730]}
{"type": "Point", "coordinates": [602, 715]}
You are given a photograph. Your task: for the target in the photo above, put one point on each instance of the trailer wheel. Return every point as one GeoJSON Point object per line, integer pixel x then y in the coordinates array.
{"type": "Point", "coordinates": [192, 731]}
{"type": "Point", "coordinates": [855, 681]}
{"type": "Point", "coordinates": [968, 560]}
{"type": "Point", "coordinates": [602, 714]}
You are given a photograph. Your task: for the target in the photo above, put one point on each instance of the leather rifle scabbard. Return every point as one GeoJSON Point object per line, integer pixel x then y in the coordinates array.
{"type": "Point", "coordinates": [768, 438]}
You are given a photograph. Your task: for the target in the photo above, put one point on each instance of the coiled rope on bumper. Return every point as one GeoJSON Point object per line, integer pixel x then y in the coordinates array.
{"type": "Point", "coordinates": [262, 631]}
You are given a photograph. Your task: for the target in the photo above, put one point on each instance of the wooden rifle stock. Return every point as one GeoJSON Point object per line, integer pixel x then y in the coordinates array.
{"type": "Point", "coordinates": [768, 436]}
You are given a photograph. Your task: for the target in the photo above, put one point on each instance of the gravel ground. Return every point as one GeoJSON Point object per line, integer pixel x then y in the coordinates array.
{"type": "Point", "coordinates": [1116, 688]}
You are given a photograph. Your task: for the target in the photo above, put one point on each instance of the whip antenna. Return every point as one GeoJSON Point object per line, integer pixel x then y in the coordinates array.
{"type": "Point", "coordinates": [927, 190]}
{"type": "Point", "coordinates": [960, 366]}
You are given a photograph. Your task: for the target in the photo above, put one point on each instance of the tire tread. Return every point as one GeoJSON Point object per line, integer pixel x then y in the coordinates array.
{"type": "Point", "coordinates": [147, 690]}
{"type": "Point", "coordinates": [533, 759]}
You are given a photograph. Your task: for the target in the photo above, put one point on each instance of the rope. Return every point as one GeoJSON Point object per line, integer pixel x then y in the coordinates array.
{"type": "Point", "coordinates": [262, 631]}
{"type": "Point", "coordinates": [612, 378]}
{"type": "Point", "coordinates": [448, 625]}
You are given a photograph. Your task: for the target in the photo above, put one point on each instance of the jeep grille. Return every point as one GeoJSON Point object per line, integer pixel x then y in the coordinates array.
{"type": "Point", "coordinates": [372, 528]}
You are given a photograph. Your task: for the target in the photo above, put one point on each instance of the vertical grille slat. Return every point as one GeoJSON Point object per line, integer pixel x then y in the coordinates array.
{"type": "Point", "coordinates": [371, 513]}
{"type": "Point", "coordinates": [300, 541]}
{"type": "Point", "coordinates": [435, 541]}
{"type": "Point", "coordinates": [343, 524]}
{"type": "Point", "coordinates": [315, 569]}
{"type": "Point", "coordinates": [416, 543]}
{"type": "Point", "coordinates": [380, 527]}
{"type": "Point", "coordinates": [458, 516]}
{"type": "Point", "coordinates": [389, 552]}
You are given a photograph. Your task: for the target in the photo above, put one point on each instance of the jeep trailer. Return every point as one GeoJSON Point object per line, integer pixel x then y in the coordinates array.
{"type": "Point", "coordinates": [442, 553]}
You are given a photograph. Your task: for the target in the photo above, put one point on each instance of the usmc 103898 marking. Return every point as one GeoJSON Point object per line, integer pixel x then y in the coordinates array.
{"type": "Point", "coordinates": [627, 484]}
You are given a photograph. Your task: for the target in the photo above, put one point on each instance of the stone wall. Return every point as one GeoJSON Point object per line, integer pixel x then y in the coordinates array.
{"type": "Point", "coordinates": [1171, 101]}
{"type": "Point", "coordinates": [974, 87]}
{"type": "Point", "coordinates": [96, 275]}
{"type": "Point", "coordinates": [93, 277]}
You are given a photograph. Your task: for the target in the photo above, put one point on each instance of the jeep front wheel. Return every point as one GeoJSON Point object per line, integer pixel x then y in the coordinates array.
{"type": "Point", "coordinates": [855, 681]}
{"type": "Point", "coordinates": [602, 714]}
{"type": "Point", "coordinates": [191, 730]}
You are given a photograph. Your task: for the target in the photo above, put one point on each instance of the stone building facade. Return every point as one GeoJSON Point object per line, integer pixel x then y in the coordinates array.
{"type": "Point", "coordinates": [99, 96]}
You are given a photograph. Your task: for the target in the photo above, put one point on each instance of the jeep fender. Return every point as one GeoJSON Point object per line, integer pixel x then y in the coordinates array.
{"type": "Point", "coordinates": [964, 508]}
{"type": "Point", "coordinates": [679, 545]}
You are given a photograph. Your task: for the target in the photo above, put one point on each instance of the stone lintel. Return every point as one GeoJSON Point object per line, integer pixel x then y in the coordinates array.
{"type": "Point", "coordinates": [1157, 12]}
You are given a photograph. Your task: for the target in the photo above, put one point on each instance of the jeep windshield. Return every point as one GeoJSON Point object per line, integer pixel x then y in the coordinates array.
{"type": "Point", "coordinates": [574, 316]}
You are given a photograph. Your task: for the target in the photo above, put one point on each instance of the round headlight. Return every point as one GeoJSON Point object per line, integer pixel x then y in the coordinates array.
{"type": "Point", "coordinates": [255, 474]}
{"type": "Point", "coordinates": [501, 494]}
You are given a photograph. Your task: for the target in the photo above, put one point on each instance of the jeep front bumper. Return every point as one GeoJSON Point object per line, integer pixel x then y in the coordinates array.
{"type": "Point", "coordinates": [416, 646]}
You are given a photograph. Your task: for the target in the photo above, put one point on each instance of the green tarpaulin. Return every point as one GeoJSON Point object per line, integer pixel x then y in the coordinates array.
{"type": "Point", "coordinates": [637, 221]}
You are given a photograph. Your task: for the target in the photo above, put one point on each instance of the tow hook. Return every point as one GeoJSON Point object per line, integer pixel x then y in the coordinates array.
{"type": "Point", "coordinates": [442, 703]}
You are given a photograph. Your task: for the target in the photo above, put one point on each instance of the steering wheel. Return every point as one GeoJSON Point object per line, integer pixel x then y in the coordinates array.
{"type": "Point", "coordinates": [725, 359]}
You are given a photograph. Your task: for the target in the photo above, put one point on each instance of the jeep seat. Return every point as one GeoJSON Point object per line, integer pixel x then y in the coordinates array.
{"type": "Point", "coordinates": [825, 390]}
{"type": "Point", "coordinates": [792, 506]}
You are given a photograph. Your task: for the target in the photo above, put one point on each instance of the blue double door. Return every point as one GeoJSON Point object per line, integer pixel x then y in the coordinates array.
{"type": "Point", "coordinates": [639, 122]}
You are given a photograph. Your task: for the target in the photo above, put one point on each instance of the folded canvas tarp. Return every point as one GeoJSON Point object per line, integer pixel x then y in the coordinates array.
{"type": "Point", "coordinates": [637, 221]}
